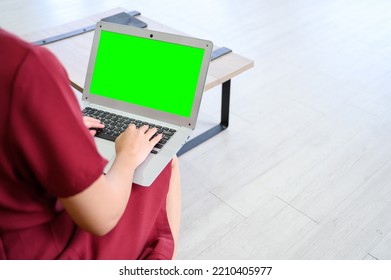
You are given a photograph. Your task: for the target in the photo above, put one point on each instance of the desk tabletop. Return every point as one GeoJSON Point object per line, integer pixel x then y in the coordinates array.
{"type": "Point", "coordinates": [74, 52]}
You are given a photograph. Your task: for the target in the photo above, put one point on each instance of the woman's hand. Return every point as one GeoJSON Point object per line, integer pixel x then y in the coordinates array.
{"type": "Point", "coordinates": [136, 143]}
{"type": "Point", "coordinates": [92, 124]}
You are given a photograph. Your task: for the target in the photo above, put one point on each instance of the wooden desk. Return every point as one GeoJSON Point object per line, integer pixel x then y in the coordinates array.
{"type": "Point", "coordinates": [74, 52]}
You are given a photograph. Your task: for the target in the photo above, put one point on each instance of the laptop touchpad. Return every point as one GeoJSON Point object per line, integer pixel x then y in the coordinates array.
{"type": "Point", "coordinates": [105, 148]}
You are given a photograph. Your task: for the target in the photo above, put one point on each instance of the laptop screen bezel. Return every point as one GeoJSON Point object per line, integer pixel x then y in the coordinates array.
{"type": "Point", "coordinates": [134, 109]}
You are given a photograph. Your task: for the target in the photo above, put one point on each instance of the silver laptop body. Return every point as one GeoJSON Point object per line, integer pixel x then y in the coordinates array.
{"type": "Point", "coordinates": [129, 67]}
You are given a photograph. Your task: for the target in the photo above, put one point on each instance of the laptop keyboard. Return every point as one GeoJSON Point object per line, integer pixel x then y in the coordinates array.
{"type": "Point", "coordinates": [116, 124]}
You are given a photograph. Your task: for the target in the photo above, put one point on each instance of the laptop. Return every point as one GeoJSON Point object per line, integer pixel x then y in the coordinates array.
{"type": "Point", "coordinates": [145, 77]}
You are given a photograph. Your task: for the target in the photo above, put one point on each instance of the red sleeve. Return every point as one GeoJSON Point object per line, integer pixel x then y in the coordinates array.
{"type": "Point", "coordinates": [54, 148]}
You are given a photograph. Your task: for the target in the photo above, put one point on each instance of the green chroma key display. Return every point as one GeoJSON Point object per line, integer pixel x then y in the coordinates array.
{"type": "Point", "coordinates": [146, 72]}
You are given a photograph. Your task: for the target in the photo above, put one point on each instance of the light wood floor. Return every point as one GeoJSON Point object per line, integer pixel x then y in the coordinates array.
{"type": "Point", "coordinates": [304, 170]}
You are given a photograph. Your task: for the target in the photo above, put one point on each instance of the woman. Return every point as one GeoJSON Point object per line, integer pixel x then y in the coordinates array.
{"type": "Point", "coordinates": [55, 202]}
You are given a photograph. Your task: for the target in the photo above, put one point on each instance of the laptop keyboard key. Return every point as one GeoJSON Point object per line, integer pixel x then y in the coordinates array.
{"type": "Point", "coordinates": [106, 136]}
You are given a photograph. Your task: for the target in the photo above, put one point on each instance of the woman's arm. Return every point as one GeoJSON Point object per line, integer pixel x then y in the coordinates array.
{"type": "Point", "coordinates": [98, 208]}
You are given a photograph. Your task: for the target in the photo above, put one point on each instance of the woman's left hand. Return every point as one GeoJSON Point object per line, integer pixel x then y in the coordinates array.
{"type": "Point", "coordinates": [92, 124]}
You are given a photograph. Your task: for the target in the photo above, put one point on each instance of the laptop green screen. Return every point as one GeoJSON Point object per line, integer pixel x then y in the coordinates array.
{"type": "Point", "coordinates": [149, 73]}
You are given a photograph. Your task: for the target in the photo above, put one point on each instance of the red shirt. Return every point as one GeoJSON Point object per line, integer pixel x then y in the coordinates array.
{"type": "Point", "coordinates": [46, 152]}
